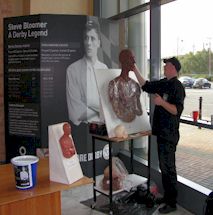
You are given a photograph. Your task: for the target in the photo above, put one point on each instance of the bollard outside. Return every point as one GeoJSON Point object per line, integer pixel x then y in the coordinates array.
{"type": "Point", "coordinates": [200, 109]}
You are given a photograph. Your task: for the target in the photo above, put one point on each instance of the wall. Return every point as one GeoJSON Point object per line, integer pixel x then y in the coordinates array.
{"type": "Point", "coordinates": [83, 7]}
{"type": "Point", "coordinates": [9, 8]}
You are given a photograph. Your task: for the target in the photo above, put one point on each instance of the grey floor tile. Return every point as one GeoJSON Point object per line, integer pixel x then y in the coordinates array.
{"type": "Point", "coordinates": [71, 202]}
{"type": "Point", "coordinates": [179, 211]}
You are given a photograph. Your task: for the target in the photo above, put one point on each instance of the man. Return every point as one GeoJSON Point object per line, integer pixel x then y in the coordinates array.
{"type": "Point", "coordinates": [169, 97]}
{"type": "Point", "coordinates": [82, 93]}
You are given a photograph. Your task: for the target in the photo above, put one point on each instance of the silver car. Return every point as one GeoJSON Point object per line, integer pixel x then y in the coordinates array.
{"type": "Point", "coordinates": [187, 81]}
{"type": "Point", "coordinates": [201, 83]}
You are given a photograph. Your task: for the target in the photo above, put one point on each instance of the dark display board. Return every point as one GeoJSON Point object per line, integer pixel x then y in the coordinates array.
{"type": "Point", "coordinates": [38, 49]}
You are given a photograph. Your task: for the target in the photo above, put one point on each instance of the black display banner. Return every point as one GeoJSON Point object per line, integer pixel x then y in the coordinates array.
{"type": "Point", "coordinates": [41, 85]}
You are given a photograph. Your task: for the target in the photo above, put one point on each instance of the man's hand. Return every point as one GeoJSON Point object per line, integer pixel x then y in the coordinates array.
{"type": "Point", "coordinates": [171, 108]}
{"type": "Point", "coordinates": [140, 79]}
{"type": "Point", "coordinates": [158, 100]}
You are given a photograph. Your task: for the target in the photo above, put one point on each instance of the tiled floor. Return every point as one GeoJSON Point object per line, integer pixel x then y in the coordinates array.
{"type": "Point", "coordinates": [195, 146]}
{"type": "Point", "coordinates": [71, 203]}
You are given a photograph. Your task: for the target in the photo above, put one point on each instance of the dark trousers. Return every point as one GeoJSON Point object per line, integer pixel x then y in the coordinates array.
{"type": "Point", "coordinates": [166, 154]}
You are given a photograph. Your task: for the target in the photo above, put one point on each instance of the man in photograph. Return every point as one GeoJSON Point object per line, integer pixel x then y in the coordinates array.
{"type": "Point", "coordinates": [82, 93]}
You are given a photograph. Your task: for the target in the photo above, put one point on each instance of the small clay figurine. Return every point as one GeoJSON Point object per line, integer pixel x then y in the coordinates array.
{"type": "Point", "coordinates": [124, 92]}
{"type": "Point", "coordinates": [66, 142]}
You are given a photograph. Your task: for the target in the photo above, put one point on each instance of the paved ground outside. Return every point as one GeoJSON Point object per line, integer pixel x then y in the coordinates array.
{"type": "Point", "coordinates": [194, 157]}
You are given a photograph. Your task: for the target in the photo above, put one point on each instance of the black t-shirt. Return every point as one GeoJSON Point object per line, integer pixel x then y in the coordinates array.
{"type": "Point", "coordinates": [165, 124]}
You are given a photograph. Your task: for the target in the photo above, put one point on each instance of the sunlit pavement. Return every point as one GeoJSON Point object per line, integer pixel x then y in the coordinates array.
{"type": "Point", "coordinates": [194, 157]}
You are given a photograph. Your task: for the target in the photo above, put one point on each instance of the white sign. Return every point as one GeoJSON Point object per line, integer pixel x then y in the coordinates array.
{"type": "Point", "coordinates": [139, 124]}
{"type": "Point", "coordinates": [64, 163]}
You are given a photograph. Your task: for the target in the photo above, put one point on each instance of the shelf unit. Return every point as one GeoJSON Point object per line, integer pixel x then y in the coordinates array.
{"type": "Point", "coordinates": [110, 141]}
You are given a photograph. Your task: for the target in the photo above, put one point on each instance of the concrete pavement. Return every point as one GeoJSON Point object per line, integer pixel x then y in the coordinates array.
{"type": "Point", "coordinates": [194, 157]}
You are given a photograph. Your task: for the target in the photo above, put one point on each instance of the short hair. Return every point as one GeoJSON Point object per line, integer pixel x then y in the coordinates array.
{"type": "Point", "coordinates": [93, 25]}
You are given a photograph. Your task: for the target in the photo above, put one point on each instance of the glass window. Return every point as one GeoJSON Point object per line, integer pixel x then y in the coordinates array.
{"type": "Point", "coordinates": [134, 34]}
{"type": "Point", "coordinates": [113, 7]}
{"type": "Point", "coordinates": [129, 4]}
{"type": "Point", "coordinates": [186, 33]}
{"type": "Point", "coordinates": [190, 39]}
{"type": "Point", "coordinates": [137, 39]}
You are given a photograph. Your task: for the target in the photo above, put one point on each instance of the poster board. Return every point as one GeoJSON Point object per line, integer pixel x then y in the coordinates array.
{"type": "Point", "coordinates": [140, 123]}
{"type": "Point", "coordinates": [38, 49]}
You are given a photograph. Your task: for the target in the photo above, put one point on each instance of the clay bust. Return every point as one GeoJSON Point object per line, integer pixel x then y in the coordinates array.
{"type": "Point", "coordinates": [124, 92]}
{"type": "Point", "coordinates": [66, 142]}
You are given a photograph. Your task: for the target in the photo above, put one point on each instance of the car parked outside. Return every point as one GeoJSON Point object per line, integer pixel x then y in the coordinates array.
{"type": "Point", "coordinates": [201, 83]}
{"type": "Point", "coordinates": [187, 81]}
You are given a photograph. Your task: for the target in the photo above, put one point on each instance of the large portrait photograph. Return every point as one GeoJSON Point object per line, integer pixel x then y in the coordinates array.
{"type": "Point", "coordinates": [100, 45]}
